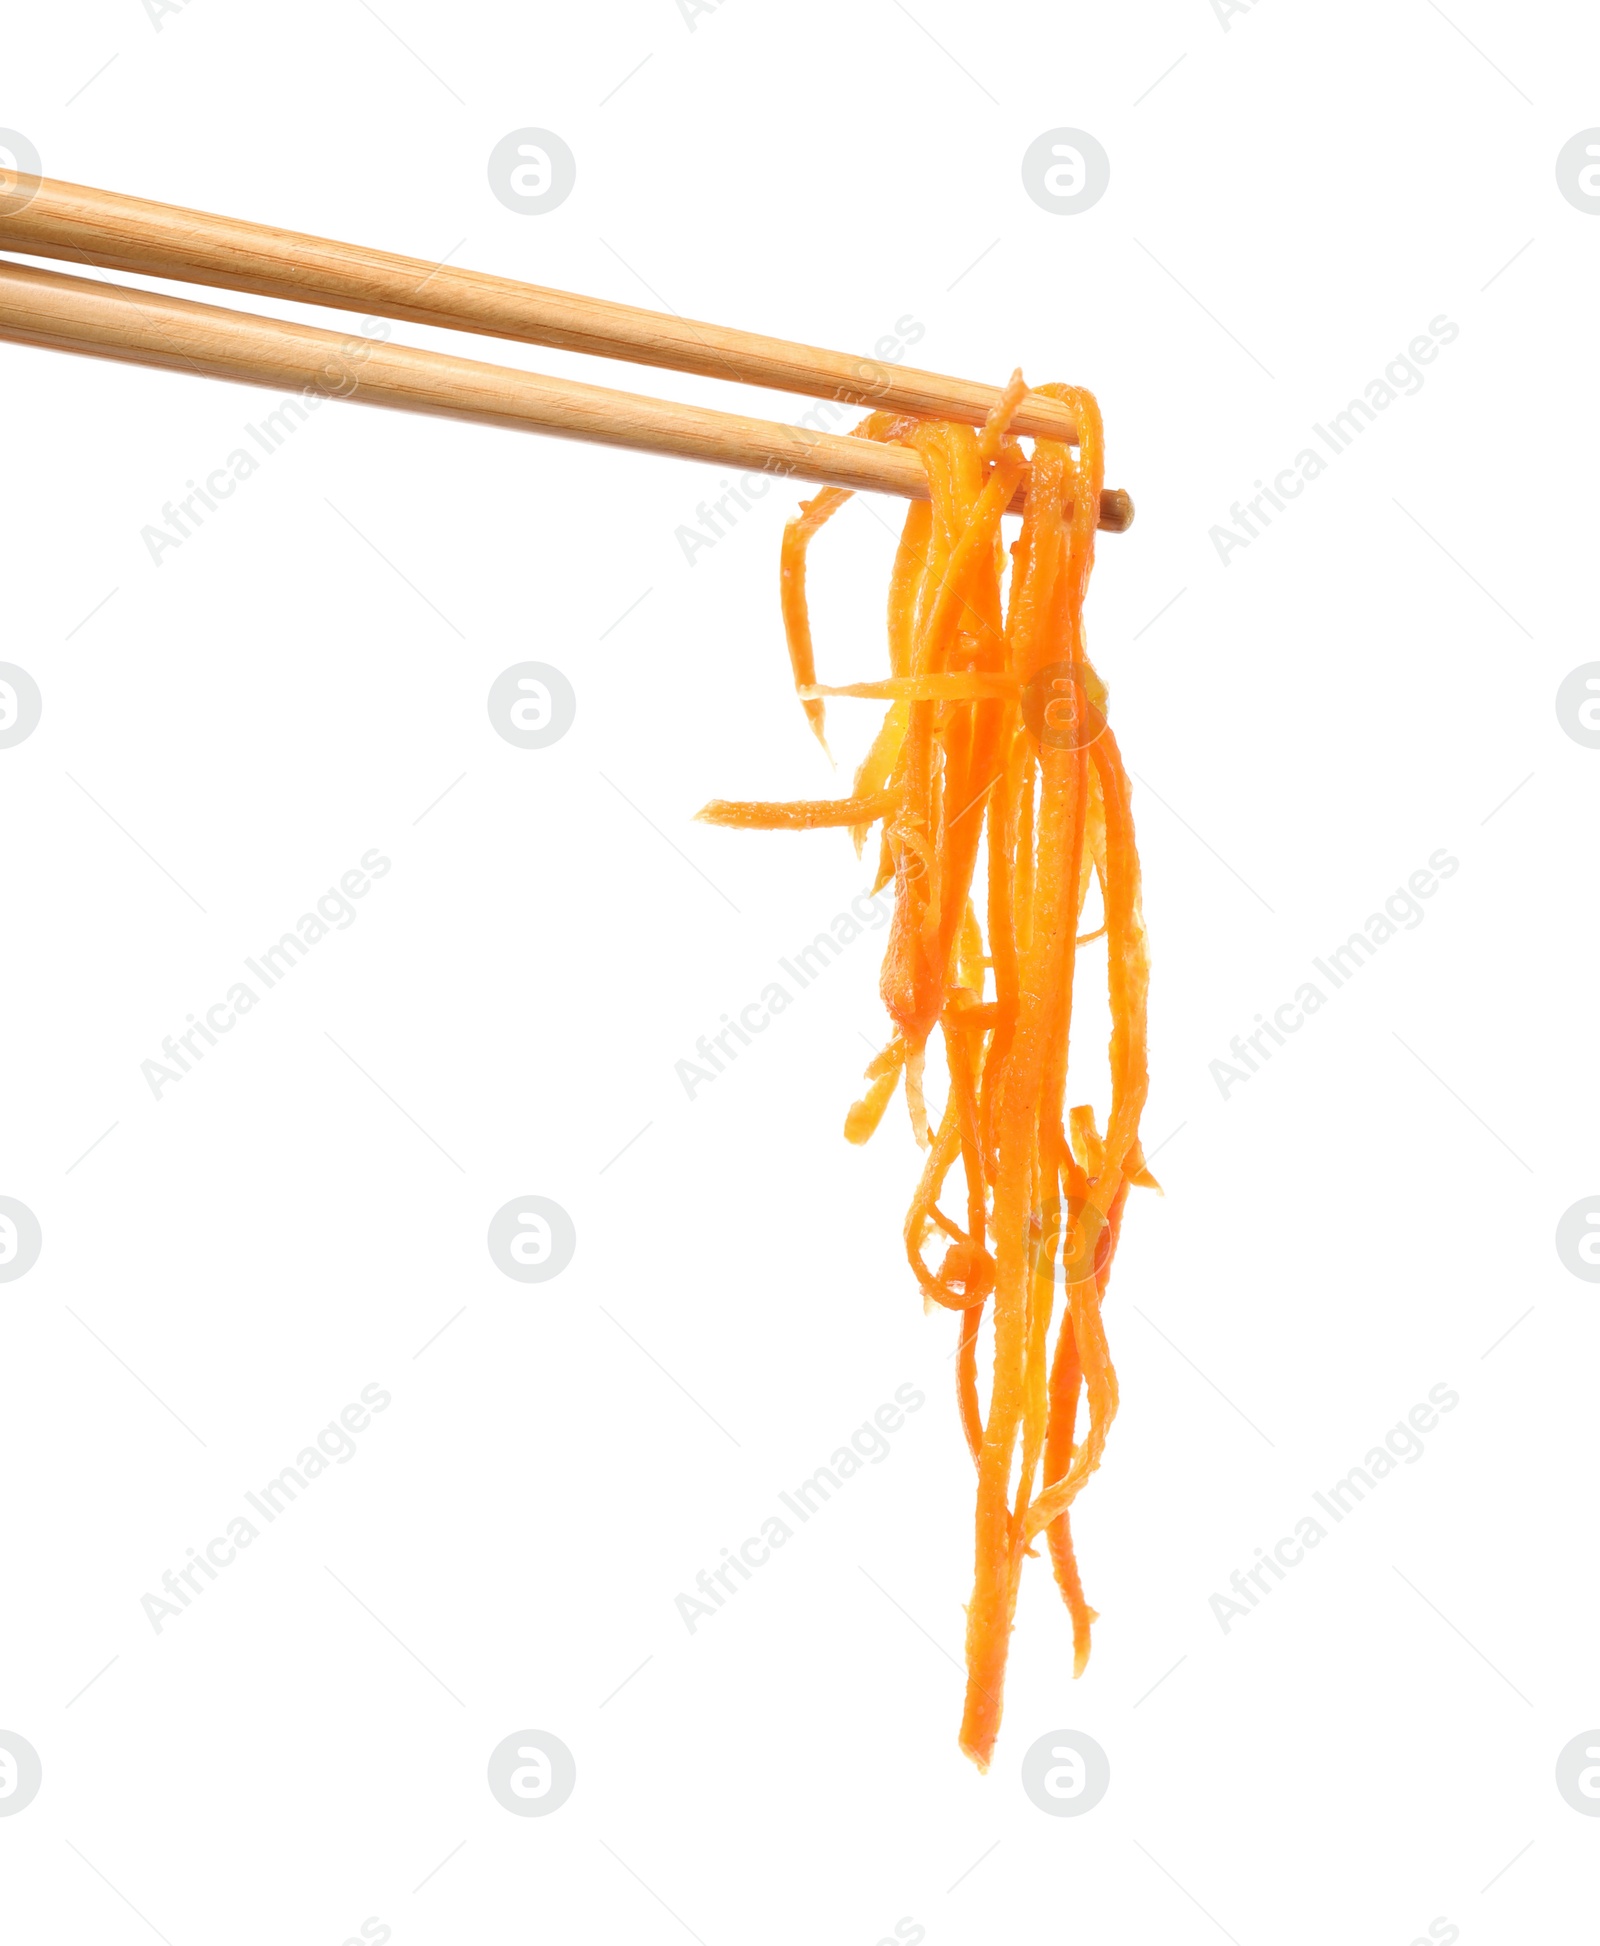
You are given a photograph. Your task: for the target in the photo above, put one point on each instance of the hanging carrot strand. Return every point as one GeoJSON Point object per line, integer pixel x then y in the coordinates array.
{"type": "Point", "coordinates": [994, 753]}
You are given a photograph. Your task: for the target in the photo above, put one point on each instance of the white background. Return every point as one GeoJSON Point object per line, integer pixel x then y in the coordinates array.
{"type": "Point", "coordinates": [1371, 1748]}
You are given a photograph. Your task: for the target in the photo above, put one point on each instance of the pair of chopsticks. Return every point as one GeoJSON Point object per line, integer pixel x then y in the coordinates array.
{"type": "Point", "coordinates": [102, 230]}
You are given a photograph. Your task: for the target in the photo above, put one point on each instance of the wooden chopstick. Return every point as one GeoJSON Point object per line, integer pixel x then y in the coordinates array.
{"type": "Point", "coordinates": [102, 229]}
{"type": "Point", "coordinates": [42, 307]}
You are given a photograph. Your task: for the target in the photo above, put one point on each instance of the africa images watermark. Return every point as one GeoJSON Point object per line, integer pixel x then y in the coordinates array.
{"type": "Point", "coordinates": [1401, 911]}
{"type": "Point", "coordinates": [867, 1445]}
{"type": "Point", "coordinates": [337, 380]}
{"type": "Point", "coordinates": [334, 911]}
{"type": "Point", "coordinates": [718, 520]}
{"type": "Point", "coordinates": [868, 911]}
{"type": "Point", "coordinates": [1402, 1442]}
{"type": "Point", "coordinates": [1226, 9]}
{"type": "Point", "coordinates": [693, 9]}
{"type": "Point", "coordinates": [1401, 379]}
{"type": "Point", "coordinates": [334, 1445]}
{"type": "Point", "coordinates": [159, 10]}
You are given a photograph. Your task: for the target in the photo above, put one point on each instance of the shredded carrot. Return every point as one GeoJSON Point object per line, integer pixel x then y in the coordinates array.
{"type": "Point", "coordinates": [814, 816]}
{"type": "Point", "coordinates": [995, 748]}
